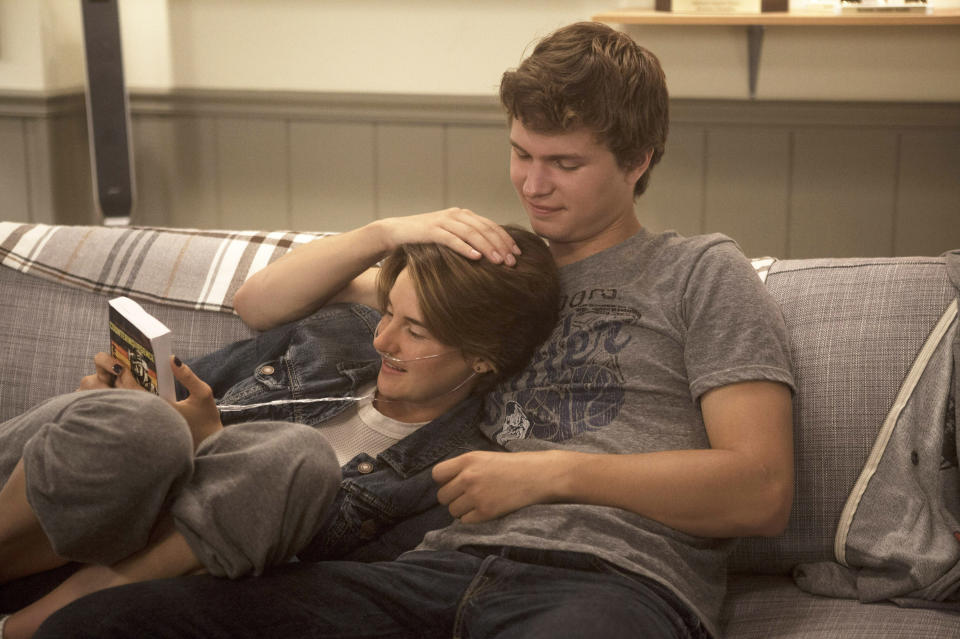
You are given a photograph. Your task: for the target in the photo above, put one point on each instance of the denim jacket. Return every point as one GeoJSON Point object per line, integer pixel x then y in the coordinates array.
{"type": "Point", "coordinates": [384, 505]}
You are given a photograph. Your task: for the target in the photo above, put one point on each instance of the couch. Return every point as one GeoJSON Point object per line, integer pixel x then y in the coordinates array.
{"type": "Point", "coordinates": [856, 327]}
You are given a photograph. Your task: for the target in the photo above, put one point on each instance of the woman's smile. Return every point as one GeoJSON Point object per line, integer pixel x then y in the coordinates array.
{"type": "Point", "coordinates": [391, 367]}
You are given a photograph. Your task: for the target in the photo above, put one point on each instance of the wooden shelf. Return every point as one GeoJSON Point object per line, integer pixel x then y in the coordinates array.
{"type": "Point", "coordinates": [756, 23]}
{"type": "Point", "coordinates": [780, 18]}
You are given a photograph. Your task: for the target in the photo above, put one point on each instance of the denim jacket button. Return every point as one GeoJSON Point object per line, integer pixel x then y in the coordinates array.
{"type": "Point", "coordinates": [267, 370]}
{"type": "Point", "coordinates": [365, 468]}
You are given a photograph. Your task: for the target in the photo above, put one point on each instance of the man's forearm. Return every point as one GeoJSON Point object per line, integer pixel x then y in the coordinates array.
{"type": "Point", "coordinates": [709, 493]}
{"type": "Point", "coordinates": [742, 486]}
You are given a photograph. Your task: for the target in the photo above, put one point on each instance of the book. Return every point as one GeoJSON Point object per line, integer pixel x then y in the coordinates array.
{"type": "Point", "coordinates": [721, 6]}
{"type": "Point", "coordinates": [883, 6]}
{"type": "Point", "coordinates": [143, 345]}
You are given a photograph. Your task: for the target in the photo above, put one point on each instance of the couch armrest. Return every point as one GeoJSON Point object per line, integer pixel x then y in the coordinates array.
{"type": "Point", "coordinates": [855, 327]}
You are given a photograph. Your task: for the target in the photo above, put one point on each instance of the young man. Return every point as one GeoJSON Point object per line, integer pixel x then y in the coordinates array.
{"type": "Point", "coordinates": [653, 426]}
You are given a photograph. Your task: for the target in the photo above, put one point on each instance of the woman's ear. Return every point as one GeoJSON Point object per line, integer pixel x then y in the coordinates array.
{"type": "Point", "coordinates": [481, 365]}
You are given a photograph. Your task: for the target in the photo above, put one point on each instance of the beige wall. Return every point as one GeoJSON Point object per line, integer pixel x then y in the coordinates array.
{"type": "Point", "coordinates": [454, 47]}
{"type": "Point", "coordinates": [322, 115]}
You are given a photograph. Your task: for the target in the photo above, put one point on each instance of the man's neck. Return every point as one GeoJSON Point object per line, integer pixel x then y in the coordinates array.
{"type": "Point", "coordinates": [568, 252]}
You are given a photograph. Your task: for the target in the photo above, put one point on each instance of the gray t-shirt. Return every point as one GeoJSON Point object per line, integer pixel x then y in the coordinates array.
{"type": "Point", "coordinates": [646, 328]}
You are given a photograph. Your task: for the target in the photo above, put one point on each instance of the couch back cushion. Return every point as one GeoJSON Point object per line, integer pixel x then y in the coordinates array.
{"type": "Point", "coordinates": [855, 327]}
{"type": "Point", "coordinates": [49, 334]}
{"type": "Point", "coordinates": [55, 282]}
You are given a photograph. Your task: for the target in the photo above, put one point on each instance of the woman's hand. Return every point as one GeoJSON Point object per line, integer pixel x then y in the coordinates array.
{"type": "Point", "coordinates": [480, 485]}
{"type": "Point", "coordinates": [462, 230]}
{"type": "Point", "coordinates": [110, 373]}
{"type": "Point", "coordinates": [200, 408]}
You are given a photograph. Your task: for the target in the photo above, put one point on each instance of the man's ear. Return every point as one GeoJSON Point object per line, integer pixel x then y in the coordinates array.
{"type": "Point", "coordinates": [638, 169]}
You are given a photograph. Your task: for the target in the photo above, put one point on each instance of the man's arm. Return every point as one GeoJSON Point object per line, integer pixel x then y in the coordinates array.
{"type": "Point", "coordinates": [741, 486]}
{"type": "Point", "coordinates": [337, 268]}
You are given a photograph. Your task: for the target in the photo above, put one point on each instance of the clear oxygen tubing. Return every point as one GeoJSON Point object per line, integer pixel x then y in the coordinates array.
{"type": "Point", "coordinates": [230, 408]}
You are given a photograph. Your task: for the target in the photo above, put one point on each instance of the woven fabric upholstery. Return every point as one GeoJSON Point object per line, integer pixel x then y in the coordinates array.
{"type": "Point", "coordinates": [188, 268]}
{"type": "Point", "coordinates": [49, 334]}
{"type": "Point", "coordinates": [55, 282]}
{"type": "Point", "coordinates": [855, 327]}
{"type": "Point", "coordinates": [762, 606]}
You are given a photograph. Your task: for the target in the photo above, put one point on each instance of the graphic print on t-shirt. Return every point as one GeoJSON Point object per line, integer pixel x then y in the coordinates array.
{"type": "Point", "coordinates": [575, 382]}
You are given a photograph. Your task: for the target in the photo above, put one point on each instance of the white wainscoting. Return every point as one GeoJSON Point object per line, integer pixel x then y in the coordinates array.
{"type": "Point", "coordinates": [791, 179]}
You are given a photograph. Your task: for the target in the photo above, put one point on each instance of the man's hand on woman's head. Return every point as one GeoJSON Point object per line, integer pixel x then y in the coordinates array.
{"type": "Point", "coordinates": [462, 230]}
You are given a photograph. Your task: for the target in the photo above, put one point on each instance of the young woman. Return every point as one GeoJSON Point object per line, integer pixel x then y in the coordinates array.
{"type": "Point", "coordinates": [137, 489]}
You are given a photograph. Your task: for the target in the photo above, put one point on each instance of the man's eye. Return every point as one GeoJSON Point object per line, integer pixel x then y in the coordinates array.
{"type": "Point", "coordinates": [415, 334]}
{"type": "Point", "coordinates": [567, 166]}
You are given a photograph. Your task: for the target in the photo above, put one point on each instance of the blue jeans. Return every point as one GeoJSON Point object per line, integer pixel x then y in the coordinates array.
{"type": "Point", "coordinates": [497, 592]}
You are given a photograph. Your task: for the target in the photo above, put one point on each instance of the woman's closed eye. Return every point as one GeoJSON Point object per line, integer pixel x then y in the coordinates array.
{"type": "Point", "coordinates": [413, 331]}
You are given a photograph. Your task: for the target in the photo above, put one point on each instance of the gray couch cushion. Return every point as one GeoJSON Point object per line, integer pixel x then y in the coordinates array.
{"type": "Point", "coordinates": [189, 268]}
{"type": "Point", "coordinates": [759, 607]}
{"type": "Point", "coordinates": [855, 326]}
{"type": "Point", "coordinates": [55, 282]}
{"type": "Point", "coordinates": [49, 334]}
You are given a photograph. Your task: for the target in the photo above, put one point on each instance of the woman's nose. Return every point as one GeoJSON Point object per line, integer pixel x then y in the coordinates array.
{"type": "Point", "coordinates": [383, 337]}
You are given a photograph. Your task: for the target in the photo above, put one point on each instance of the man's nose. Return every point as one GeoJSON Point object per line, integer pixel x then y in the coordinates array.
{"type": "Point", "coordinates": [537, 181]}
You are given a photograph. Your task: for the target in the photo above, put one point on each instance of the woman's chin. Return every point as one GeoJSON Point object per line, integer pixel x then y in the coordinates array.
{"type": "Point", "coordinates": [388, 390]}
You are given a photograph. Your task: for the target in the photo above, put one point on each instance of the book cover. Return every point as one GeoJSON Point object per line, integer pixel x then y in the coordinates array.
{"type": "Point", "coordinates": [143, 345]}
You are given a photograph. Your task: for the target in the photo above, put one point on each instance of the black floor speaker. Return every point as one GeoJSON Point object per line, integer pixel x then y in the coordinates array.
{"type": "Point", "coordinates": [108, 113]}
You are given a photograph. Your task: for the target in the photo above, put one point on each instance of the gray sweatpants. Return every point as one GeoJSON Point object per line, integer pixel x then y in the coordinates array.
{"type": "Point", "coordinates": [102, 466]}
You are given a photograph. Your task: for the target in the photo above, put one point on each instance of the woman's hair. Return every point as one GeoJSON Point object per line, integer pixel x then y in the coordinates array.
{"type": "Point", "coordinates": [501, 313]}
{"type": "Point", "coordinates": [589, 75]}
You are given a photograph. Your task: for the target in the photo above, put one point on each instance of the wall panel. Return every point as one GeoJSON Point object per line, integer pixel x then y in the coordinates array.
{"type": "Point", "coordinates": [41, 188]}
{"type": "Point", "coordinates": [253, 170]}
{"type": "Point", "coordinates": [675, 198]}
{"type": "Point", "coordinates": [843, 194]}
{"type": "Point", "coordinates": [747, 187]}
{"type": "Point", "coordinates": [411, 169]}
{"type": "Point", "coordinates": [176, 171]}
{"type": "Point", "coordinates": [785, 179]}
{"type": "Point", "coordinates": [928, 197]}
{"type": "Point", "coordinates": [478, 173]}
{"type": "Point", "coordinates": [69, 169]}
{"type": "Point", "coordinates": [14, 178]}
{"type": "Point", "coordinates": [333, 175]}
